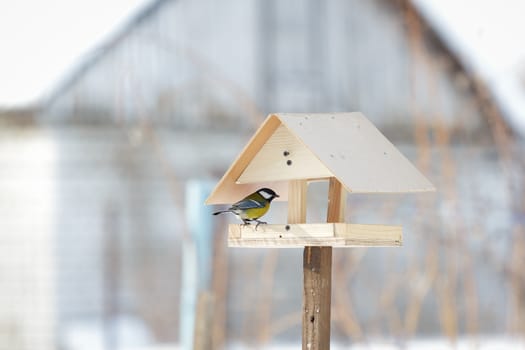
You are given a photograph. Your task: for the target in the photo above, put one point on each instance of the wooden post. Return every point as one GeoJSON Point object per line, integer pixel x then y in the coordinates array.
{"type": "Point", "coordinates": [336, 201]}
{"type": "Point", "coordinates": [297, 201]}
{"type": "Point", "coordinates": [317, 271]}
{"type": "Point", "coordinates": [317, 267]}
{"type": "Point", "coordinates": [317, 290]}
{"type": "Point", "coordinates": [297, 215]}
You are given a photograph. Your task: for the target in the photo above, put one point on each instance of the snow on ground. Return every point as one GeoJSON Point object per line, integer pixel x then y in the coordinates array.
{"type": "Point", "coordinates": [420, 344]}
{"type": "Point", "coordinates": [495, 343]}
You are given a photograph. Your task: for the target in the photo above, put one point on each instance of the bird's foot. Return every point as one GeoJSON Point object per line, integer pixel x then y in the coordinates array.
{"type": "Point", "coordinates": [258, 223]}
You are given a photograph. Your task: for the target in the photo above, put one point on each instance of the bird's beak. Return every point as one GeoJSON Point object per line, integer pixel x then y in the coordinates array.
{"type": "Point", "coordinates": [276, 195]}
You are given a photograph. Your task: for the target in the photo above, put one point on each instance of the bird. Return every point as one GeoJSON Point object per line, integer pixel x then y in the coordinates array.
{"type": "Point", "coordinates": [252, 207]}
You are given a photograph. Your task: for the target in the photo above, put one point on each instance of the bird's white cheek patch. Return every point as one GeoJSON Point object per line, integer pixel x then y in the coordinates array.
{"type": "Point", "coordinates": [266, 195]}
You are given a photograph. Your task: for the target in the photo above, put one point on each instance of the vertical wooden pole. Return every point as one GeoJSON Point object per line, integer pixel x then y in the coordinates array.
{"type": "Point", "coordinates": [336, 201]}
{"type": "Point", "coordinates": [317, 271]}
{"type": "Point", "coordinates": [297, 190]}
{"type": "Point", "coordinates": [317, 291]}
{"type": "Point", "coordinates": [297, 209]}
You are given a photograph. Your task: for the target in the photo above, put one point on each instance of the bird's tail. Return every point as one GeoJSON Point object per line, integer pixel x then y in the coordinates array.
{"type": "Point", "coordinates": [222, 211]}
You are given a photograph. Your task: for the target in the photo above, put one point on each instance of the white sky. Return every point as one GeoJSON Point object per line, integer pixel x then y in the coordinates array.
{"type": "Point", "coordinates": [492, 29]}
{"type": "Point", "coordinates": [488, 37]}
{"type": "Point", "coordinates": [41, 39]}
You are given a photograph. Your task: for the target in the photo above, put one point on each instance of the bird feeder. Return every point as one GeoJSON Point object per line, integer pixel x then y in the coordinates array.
{"type": "Point", "coordinates": [287, 152]}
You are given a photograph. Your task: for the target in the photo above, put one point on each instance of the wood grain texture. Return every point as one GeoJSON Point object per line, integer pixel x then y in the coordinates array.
{"type": "Point", "coordinates": [227, 190]}
{"type": "Point", "coordinates": [301, 235]}
{"type": "Point", "coordinates": [356, 152]}
{"type": "Point", "coordinates": [317, 276]}
{"type": "Point", "coordinates": [350, 147]}
{"type": "Point", "coordinates": [297, 191]}
{"type": "Point", "coordinates": [283, 157]}
{"type": "Point", "coordinates": [336, 201]}
{"type": "Point", "coordinates": [317, 292]}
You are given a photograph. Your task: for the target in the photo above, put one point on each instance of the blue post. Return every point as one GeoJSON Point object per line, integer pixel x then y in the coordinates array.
{"type": "Point", "coordinates": [197, 255]}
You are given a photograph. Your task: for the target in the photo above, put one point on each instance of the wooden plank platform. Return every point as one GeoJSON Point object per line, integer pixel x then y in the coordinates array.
{"type": "Point", "coordinates": [301, 235]}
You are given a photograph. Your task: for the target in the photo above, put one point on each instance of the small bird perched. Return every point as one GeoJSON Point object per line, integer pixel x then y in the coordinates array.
{"type": "Point", "coordinates": [252, 207]}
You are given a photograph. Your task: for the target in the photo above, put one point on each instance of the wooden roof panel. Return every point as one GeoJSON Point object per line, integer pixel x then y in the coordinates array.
{"type": "Point", "coordinates": [344, 145]}
{"type": "Point", "coordinates": [227, 190]}
{"type": "Point", "coordinates": [283, 157]}
{"type": "Point", "coordinates": [356, 152]}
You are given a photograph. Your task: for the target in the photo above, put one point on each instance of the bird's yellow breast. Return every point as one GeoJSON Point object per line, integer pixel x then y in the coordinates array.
{"type": "Point", "coordinates": [254, 213]}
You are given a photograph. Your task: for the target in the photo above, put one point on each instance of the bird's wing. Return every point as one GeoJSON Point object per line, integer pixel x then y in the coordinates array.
{"type": "Point", "coordinates": [247, 204]}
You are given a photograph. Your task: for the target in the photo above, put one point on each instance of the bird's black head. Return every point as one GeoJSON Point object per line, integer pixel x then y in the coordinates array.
{"type": "Point", "coordinates": [267, 193]}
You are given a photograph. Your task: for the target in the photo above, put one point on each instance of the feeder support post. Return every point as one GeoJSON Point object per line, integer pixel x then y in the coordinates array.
{"type": "Point", "coordinates": [297, 201]}
{"type": "Point", "coordinates": [336, 201]}
{"type": "Point", "coordinates": [317, 270]}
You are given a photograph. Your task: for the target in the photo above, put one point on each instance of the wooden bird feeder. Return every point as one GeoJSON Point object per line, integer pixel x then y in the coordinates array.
{"type": "Point", "coordinates": [287, 152]}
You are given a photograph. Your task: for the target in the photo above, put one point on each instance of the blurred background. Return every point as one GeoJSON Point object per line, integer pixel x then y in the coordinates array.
{"type": "Point", "coordinates": [118, 118]}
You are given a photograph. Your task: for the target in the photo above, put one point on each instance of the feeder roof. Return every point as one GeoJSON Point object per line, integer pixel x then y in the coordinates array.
{"type": "Point", "coordinates": [346, 146]}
